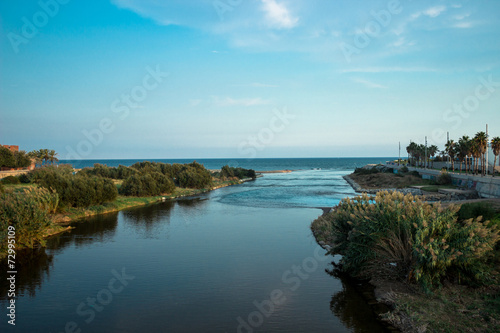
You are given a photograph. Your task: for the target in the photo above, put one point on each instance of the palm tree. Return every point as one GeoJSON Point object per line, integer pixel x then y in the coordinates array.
{"type": "Point", "coordinates": [433, 150]}
{"type": "Point", "coordinates": [43, 154]}
{"type": "Point", "coordinates": [451, 151]}
{"type": "Point", "coordinates": [495, 146]}
{"type": "Point", "coordinates": [412, 151]}
{"type": "Point", "coordinates": [52, 156]}
{"type": "Point", "coordinates": [35, 157]}
{"type": "Point", "coordinates": [475, 152]}
{"type": "Point", "coordinates": [463, 151]}
{"type": "Point", "coordinates": [482, 143]}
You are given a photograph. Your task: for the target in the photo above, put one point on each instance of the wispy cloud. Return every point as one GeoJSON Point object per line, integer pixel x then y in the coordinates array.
{"type": "Point", "coordinates": [434, 11]}
{"type": "Point", "coordinates": [245, 102]}
{"type": "Point", "coordinates": [368, 84]}
{"type": "Point", "coordinates": [463, 25]}
{"type": "Point", "coordinates": [388, 69]}
{"type": "Point", "coordinates": [257, 85]}
{"type": "Point", "coordinates": [278, 15]}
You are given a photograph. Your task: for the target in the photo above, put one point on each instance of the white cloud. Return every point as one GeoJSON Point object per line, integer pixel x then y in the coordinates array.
{"type": "Point", "coordinates": [387, 69]}
{"type": "Point", "coordinates": [246, 102]}
{"type": "Point", "coordinates": [434, 11]}
{"type": "Point", "coordinates": [368, 84]}
{"type": "Point", "coordinates": [278, 15]}
{"type": "Point", "coordinates": [463, 25]}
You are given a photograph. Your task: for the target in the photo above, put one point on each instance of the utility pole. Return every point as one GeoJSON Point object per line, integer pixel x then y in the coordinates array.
{"type": "Point", "coordinates": [399, 157]}
{"type": "Point", "coordinates": [487, 144]}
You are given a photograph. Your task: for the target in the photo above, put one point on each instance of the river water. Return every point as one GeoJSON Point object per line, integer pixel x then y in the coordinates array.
{"type": "Point", "coordinates": [238, 259]}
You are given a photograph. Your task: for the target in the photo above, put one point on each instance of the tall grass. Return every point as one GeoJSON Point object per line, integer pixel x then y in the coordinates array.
{"type": "Point", "coordinates": [28, 212]}
{"type": "Point", "coordinates": [402, 237]}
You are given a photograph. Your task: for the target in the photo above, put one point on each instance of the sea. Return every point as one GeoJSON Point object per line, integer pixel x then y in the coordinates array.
{"type": "Point", "coordinates": [258, 164]}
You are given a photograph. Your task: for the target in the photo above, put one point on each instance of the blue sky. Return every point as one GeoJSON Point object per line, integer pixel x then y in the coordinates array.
{"type": "Point", "coordinates": [246, 78]}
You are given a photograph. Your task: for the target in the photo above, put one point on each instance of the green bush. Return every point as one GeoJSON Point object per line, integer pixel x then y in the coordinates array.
{"type": "Point", "coordinates": [240, 173]}
{"type": "Point", "coordinates": [6, 158]}
{"type": "Point", "coordinates": [80, 190]}
{"type": "Point", "coordinates": [28, 213]}
{"type": "Point", "coordinates": [24, 178]}
{"type": "Point", "coordinates": [474, 210]}
{"type": "Point", "coordinates": [444, 178]}
{"type": "Point", "coordinates": [403, 169]}
{"type": "Point", "coordinates": [364, 171]}
{"type": "Point", "coordinates": [10, 180]}
{"type": "Point", "coordinates": [149, 184]}
{"type": "Point", "coordinates": [121, 172]}
{"type": "Point", "coordinates": [403, 237]}
{"type": "Point", "coordinates": [194, 175]}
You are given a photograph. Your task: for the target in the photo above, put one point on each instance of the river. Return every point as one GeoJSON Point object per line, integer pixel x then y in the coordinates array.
{"type": "Point", "coordinates": [238, 259]}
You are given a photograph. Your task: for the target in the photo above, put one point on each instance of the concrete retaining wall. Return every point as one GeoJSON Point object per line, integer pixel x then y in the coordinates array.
{"type": "Point", "coordinates": [4, 174]}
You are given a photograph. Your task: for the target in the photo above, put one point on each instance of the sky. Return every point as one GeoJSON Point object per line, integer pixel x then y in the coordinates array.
{"type": "Point", "coordinates": [101, 79]}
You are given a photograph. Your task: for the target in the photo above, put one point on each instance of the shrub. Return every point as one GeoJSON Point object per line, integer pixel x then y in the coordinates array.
{"type": "Point", "coordinates": [10, 180]}
{"type": "Point", "coordinates": [144, 185]}
{"type": "Point", "coordinates": [28, 213]}
{"type": "Point", "coordinates": [415, 173]}
{"type": "Point", "coordinates": [6, 158]}
{"type": "Point", "coordinates": [444, 178]}
{"type": "Point", "coordinates": [24, 178]}
{"type": "Point", "coordinates": [474, 210]}
{"type": "Point", "coordinates": [194, 175]}
{"type": "Point", "coordinates": [78, 190]}
{"type": "Point", "coordinates": [364, 171]}
{"type": "Point", "coordinates": [401, 236]}
{"type": "Point", "coordinates": [240, 173]}
{"type": "Point", "coordinates": [403, 169]}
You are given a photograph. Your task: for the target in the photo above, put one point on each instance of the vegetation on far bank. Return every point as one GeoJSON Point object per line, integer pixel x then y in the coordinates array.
{"type": "Point", "coordinates": [447, 257]}
{"type": "Point", "coordinates": [23, 159]}
{"type": "Point", "coordinates": [33, 202]}
{"type": "Point", "coordinates": [378, 177]}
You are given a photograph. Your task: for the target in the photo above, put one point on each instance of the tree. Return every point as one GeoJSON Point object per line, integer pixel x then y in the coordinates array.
{"type": "Point", "coordinates": [6, 158]}
{"type": "Point", "coordinates": [412, 151]}
{"type": "Point", "coordinates": [433, 150]}
{"type": "Point", "coordinates": [482, 145]}
{"type": "Point", "coordinates": [495, 146]}
{"type": "Point", "coordinates": [22, 159]}
{"type": "Point", "coordinates": [35, 157]}
{"type": "Point", "coordinates": [52, 156]}
{"type": "Point", "coordinates": [476, 154]}
{"type": "Point", "coordinates": [463, 151]}
{"type": "Point", "coordinates": [451, 151]}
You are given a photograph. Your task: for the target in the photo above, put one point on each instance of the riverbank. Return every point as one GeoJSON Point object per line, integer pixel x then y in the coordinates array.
{"type": "Point", "coordinates": [124, 202]}
{"type": "Point", "coordinates": [454, 307]}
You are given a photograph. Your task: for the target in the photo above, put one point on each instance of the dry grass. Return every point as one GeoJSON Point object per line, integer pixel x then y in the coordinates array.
{"type": "Point", "coordinates": [387, 180]}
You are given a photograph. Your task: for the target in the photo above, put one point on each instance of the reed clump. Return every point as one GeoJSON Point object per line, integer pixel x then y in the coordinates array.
{"type": "Point", "coordinates": [28, 212]}
{"type": "Point", "coordinates": [400, 236]}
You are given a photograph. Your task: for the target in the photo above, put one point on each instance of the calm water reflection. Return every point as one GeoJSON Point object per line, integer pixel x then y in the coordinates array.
{"type": "Point", "coordinates": [188, 266]}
